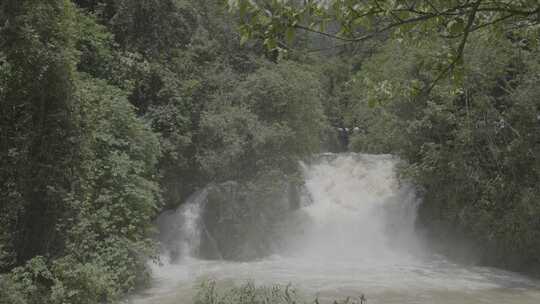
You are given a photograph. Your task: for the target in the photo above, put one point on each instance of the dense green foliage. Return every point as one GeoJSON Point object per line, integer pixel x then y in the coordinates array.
{"type": "Point", "coordinates": [472, 149]}
{"type": "Point", "coordinates": [113, 110]}
{"type": "Point", "coordinates": [272, 119]}
{"type": "Point", "coordinates": [79, 172]}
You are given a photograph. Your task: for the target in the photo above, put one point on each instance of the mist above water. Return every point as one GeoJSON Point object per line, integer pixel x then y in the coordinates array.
{"type": "Point", "coordinates": [359, 211]}
{"type": "Point", "coordinates": [355, 235]}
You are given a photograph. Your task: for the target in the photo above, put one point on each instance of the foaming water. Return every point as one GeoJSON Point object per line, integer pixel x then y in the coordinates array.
{"type": "Point", "coordinates": [359, 211]}
{"type": "Point", "coordinates": [181, 232]}
{"type": "Point", "coordinates": [356, 237]}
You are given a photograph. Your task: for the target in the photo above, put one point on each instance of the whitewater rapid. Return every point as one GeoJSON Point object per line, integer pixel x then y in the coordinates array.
{"type": "Point", "coordinates": [356, 236]}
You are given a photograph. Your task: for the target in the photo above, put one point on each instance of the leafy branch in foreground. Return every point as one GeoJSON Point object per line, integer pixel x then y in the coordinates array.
{"type": "Point", "coordinates": [276, 22]}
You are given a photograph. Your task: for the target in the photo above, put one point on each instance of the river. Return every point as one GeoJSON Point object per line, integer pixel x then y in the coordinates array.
{"type": "Point", "coordinates": [357, 236]}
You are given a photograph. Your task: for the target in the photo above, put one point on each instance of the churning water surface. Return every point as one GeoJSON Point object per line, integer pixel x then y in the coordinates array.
{"type": "Point", "coordinates": [356, 237]}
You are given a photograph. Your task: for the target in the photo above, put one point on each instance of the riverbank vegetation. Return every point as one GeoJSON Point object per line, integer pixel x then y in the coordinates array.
{"type": "Point", "coordinates": [114, 110]}
{"type": "Point", "coordinates": [210, 293]}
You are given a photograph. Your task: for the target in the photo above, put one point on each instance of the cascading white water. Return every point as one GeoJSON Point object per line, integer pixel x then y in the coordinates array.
{"type": "Point", "coordinates": [190, 231]}
{"type": "Point", "coordinates": [180, 230]}
{"type": "Point", "coordinates": [359, 209]}
{"type": "Point", "coordinates": [356, 236]}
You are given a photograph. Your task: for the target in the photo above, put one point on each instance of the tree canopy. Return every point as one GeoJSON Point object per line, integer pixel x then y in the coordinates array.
{"type": "Point", "coordinates": [351, 22]}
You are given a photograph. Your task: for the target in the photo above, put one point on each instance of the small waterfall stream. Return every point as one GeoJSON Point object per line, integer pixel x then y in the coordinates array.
{"type": "Point", "coordinates": [356, 236]}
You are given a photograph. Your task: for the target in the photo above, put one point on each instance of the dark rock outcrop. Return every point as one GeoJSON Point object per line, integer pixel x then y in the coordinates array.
{"type": "Point", "coordinates": [239, 220]}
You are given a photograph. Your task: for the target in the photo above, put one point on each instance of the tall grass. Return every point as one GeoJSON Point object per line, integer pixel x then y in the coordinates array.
{"type": "Point", "coordinates": [249, 293]}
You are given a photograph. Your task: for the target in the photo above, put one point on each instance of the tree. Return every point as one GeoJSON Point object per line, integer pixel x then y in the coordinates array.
{"type": "Point", "coordinates": [78, 167]}
{"type": "Point", "coordinates": [39, 123]}
{"type": "Point", "coordinates": [272, 120]}
{"type": "Point", "coordinates": [153, 27]}
{"type": "Point", "coordinates": [471, 150]}
{"type": "Point", "coordinates": [276, 22]}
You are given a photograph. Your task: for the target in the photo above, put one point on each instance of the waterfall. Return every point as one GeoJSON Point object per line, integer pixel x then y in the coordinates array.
{"type": "Point", "coordinates": [180, 231]}
{"type": "Point", "coordinates": [353, 233]}
{"type": "Point", "coordinates": [357, 208]}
